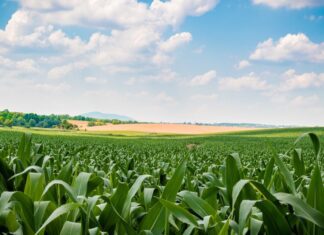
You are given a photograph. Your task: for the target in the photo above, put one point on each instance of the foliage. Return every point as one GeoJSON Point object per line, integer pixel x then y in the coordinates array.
{"type": "Point", "coordinates": [9, 119]}
{"type": "Point", "coordinates": [96, 123]}
{"type": "Point", "coordinates": [159, 186]}
{"type": "Point", "coordinates": [28, 120]}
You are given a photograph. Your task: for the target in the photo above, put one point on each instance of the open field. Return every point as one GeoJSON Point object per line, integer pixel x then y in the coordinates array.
{"type": "Point", "coordinates": [158, 128]}
{"type": "Point", "coordinates": [69, 182]}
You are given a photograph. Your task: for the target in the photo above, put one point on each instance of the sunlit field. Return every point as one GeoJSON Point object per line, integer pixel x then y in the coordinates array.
{"type": "Point", "coordinates": [55, 182]}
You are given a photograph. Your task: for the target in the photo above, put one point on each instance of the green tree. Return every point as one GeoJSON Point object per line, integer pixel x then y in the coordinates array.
{"type": "Point", "coordinates": [32, 123]}
{"type": "Point", "coordinates": [8, 123]}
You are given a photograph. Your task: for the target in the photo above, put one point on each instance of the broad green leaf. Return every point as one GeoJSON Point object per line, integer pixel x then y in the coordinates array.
{"type": "Point", "coordinates": [274, 220]}
{"type": "Point", "coordinates": [245, 210]}
{"type": "Point", "coordinates": [71, 228]}
{"type": "Point", "coordinates": [233, 173]}
{"type": "Point", "coordinates": [315, 195]}
{"type": "Point", "coordinates": [148, 194]}
{"type": "Point", "coordinates": [80, 184]}
{"type": "Point", "coordinates": [131, 193]}
{"type": "Point", "coordinates": [255, 226]}
{"type": "Point", "coordinates": [8, 220]}
{"type": "Point", "coordinates": [155, 219]}
{"type": "Point", "coordinates": [66, 187]}
{"type": "Point", "coordinates": [198, 205]}
{"type": "Point", "coordinates": [24, 207]}
{"type": "Point", "coordinates": [315, 141]}
{"type": "Point", "coordinates": [27, 169]}
{"type": "Point", "coordinates": [66, 172]}
{"type": "Point", "coordinates": [64, 209]}
{"type": "Point", "coordinates": [268, 173]}
{"type": "Point", "coordinates": [260, 188]}
{"type": "Point", "coordinates": [225, 227]}
{"type": "Point", "coordinates": [298, 162]}
{"type": "Point", "coordinates": [107, 218]}
{"type": "Point", "coordinates": [34, 186]}
{"type": "Point", "coordinates": [284, 171]}
{"type": "Point", "coordinates": [302, 209]}
{"type": "Point", "coordinates": [180, 213]}
{"type": "Point", "coordinates": [173, 186]}
{"type": "Point", "coordinates": [24, 150]}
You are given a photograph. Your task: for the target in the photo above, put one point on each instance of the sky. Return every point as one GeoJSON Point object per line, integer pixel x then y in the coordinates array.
{"type": "Point", "coordinates": [256, 61]}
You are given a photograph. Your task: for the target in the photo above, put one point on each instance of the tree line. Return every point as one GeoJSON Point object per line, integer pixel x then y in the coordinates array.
{"type": "Point", "coordinates": [10, 119]}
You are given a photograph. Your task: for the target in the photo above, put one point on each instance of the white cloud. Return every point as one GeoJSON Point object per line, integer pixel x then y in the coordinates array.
{"type": "Point", "coordinates": [249, 82]}
{"type": "Point", "coordinates": [175, 41]}
{"type": "Point", "coordinates": [204, 97]}
{"type": "Point", "coordinates": [305, 100]}
{"type": "Point", "coordinates": [94, 80]}
{"type": "Point", "coordinates": [203, 79]}
{"type": "Point", "coordinates": [19, 66]}
{"type": "Point", "coordinates": [163, 76]}
{"type": "Point", "coordinates": [293, 81]}
{"type": "Point", "coordinates": [174, 11]}
{"type": "Point", "coordinates": [47, 87]}
{"type": "Point", "coordinates": [243, 64]}
{"type": "Point", "coordinates": [163, 97]}
{"type": "Point", "coordinates": [136, 30]}
{"type": "Point", "coordinates": [292, 47]}
{"type": "Point", "coordinates": [294, 4]}
{"type": "Point", "coordinates": [64, 70]}
{"type": "Point", "coordinates": [171, 44]}
{"type": "Point", "coordinates": [90, 79]}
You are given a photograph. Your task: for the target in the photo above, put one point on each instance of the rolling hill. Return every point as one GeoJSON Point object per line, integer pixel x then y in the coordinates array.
{"type": "Point", "coordinates": [99, 115]}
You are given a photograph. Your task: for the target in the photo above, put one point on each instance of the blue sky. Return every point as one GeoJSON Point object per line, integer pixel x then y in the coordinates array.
{"type": "Point", "coordinates": [195, 60]}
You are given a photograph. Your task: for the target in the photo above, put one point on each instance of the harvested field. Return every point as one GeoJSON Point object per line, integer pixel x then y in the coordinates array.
{"type": "Point", "coordinates": [160, 128]}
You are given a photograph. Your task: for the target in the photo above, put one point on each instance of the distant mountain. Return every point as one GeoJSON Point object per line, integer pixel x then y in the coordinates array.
{"type": "Point", "coordinates": [99, 115]}
{"type": "Point", "coordinates": [255, 125]}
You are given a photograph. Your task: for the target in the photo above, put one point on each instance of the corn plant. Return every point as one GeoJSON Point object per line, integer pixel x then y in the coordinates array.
{"type": "Point", "coordinates": [77, 189]}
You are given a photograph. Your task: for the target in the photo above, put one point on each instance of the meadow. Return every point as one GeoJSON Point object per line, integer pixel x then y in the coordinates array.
{"type": "Point", "coordinates": [252, 182]}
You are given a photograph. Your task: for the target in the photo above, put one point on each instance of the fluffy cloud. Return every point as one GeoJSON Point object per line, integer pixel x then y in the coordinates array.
{"type": "Point", "coordinates": [164, 76]}
{"type": "Point", "coordinates": [136, 31]}
{"type": "Point", "coordinates": [304, 100]}
{"type": "Point", "coordinates": [163, 97]}
{"type": "Point", "coordinates": [203, 79]}
{"type": "Point", "coordinates": [204, 97]}
{"type": "Point", "coordinates": [294, 4]}
{"type": "Point", "coordinates": [292, 47]}
{"type": "Point", "coordinates": [94, 80]}
{"type": "Point", "coordinates": [125, 13]}
{"type": "Point", "coordinates": [249, 82]}
{"type": "Point", "coordinates": [165, 47]}
{"type": "Point", "coordinates": [293, 81]}
{"type": "Point", "coordinates": [175, 41]}
{"type": "Point", "coordinates": [243, 64]}
{"type": "Point", "coordinates": [173, 12]}
{"type": "Point", "coordinates": [47, 87]}
{"type": "Point", "coordinates": [22, 66]}
{"type": "Point", "coordinates": [62, 71]}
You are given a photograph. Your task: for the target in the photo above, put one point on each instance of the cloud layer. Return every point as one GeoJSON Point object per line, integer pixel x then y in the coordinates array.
{"type": "Point", "coordinates": [293, 4]}
{"type": "Point", "coordinates": [292, 47]}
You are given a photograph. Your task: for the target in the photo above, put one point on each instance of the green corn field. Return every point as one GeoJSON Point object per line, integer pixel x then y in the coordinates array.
{"type": "Point", "coordinates": [225, 185]}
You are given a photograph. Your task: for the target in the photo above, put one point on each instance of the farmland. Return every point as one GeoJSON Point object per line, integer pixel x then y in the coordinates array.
{"type": "Point", "coordinates": [251, 182]}
{"type": "Point", "coordinates": [166, 128]}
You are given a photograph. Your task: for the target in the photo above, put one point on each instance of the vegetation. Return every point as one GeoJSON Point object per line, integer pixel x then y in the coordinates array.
{"type": "Point", "coordinates": [96, 123]}
{"type": "Point", "coordinates": [91, 185]}
{"type": "Point", "coordinates": [10, 119]}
